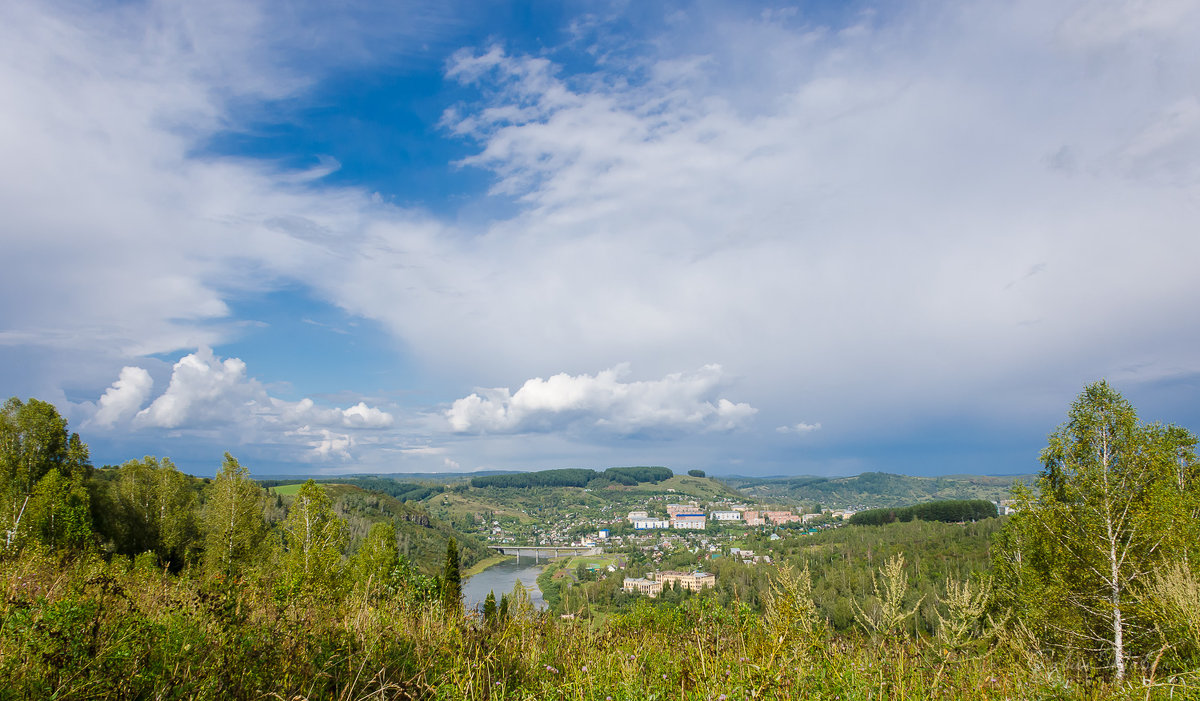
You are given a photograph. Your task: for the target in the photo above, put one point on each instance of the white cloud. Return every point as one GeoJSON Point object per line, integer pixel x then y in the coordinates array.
{"type": "Point", "coordinates": [207, 393]}
{"type": "Point", "coordinates": [203, 389]}
{"type": "Point", "coordinates": [837, 215]}
{"type": "Point", "coordinates": [124, 398]}
{"type": "Point", "coordinates": [325, 444]}
{"type": "Point", "coordinates": [602, 401]}
{"type": "Point", "coordinates": [362, 416]}
{"type": "Point", "coordinates": [799, 428]}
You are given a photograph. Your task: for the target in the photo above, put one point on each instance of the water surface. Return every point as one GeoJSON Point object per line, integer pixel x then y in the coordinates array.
{"type": "Point", "coordinates": [500, 579]}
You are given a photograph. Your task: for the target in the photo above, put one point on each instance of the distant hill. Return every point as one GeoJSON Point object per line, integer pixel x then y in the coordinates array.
{"type": "Point", "coordinates": [875, 489]}
{"type": "Point", "coordinates": [422, 537]}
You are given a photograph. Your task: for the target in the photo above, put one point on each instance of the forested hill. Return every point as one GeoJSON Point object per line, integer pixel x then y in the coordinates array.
{"type": "Point", "coordinates": [576, 477]}
{"type": "Point", "coordinates": [876, 489]}
{"type": "Point", "coordinates": [420, 537]}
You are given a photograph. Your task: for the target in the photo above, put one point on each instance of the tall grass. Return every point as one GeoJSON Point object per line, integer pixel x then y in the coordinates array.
{"type": "Point", "coordinates": [86, 629]}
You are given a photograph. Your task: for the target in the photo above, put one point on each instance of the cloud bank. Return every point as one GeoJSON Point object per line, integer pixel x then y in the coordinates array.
{"type": "Point", "coordinates": [602, 401]}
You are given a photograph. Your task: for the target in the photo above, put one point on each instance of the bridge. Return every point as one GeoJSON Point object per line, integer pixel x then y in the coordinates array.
{"type": "Point", "coordinates": [547, 551]}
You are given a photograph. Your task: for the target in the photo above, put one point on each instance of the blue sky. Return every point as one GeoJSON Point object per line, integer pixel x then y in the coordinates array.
{"type": "Point", "coordinates": [753, 238]}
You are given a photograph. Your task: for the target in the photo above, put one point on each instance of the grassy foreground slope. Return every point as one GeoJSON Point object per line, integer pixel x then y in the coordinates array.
{"type": "Point", "coordinates": [83, 628]}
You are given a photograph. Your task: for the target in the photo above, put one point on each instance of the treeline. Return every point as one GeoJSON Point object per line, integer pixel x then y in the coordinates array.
{"type": "Point", "coordinates": [403, 491]}
{"type": "Point", "coordinates": [949, 511]}
{"type": "Point", "coordinates": [52, 498]}
{"type": "Point", "coordinates": [574, 477]}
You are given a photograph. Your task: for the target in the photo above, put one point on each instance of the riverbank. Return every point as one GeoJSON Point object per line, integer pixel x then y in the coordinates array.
{"type": "Point", "coordinates": [486, 563]}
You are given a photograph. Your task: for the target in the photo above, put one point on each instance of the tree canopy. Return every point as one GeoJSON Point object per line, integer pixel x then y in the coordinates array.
{"type": "Point", "coordinates": [1116, 506]}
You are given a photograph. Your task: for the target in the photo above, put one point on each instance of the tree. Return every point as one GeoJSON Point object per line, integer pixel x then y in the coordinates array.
{"type": "Point", "coordinates": [33, 441]}
{"type": "Point", "coordinates": [60, 511]}
{"type": "Point", "coordinates": [1116, 504]}
{"type": "Point", "coordinates": [452, 579]}
{"type": "Point", "coordinates": [233, 519]}
{"type": "Point", "coordinates": [696, 473]}
{"type": "Point", "coordinates": [489, 609]}
{"type": "Point", "coordinates": [314, 537]}
{"type": "Point", "coordinates": [157, 510]}
{"type": "Point", "coordinates": [376, 565]}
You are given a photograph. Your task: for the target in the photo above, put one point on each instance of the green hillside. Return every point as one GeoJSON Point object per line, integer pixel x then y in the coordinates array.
{"type": "Point", "coordinates": [875, 489]}
{"type": "Point", "coordinates": [421, 538]}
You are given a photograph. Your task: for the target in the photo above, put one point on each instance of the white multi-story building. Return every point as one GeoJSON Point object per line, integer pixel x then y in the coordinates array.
{"type": "Point", "coordinates": [727, 515]}
{"type": "Point", "coordinates": [643, 524]}
{"type": "Point", "coordinates": [689, 521]}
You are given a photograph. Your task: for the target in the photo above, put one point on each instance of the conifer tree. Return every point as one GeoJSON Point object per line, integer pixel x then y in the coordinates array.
{"type": "Point", "coordinates": [452, 579]}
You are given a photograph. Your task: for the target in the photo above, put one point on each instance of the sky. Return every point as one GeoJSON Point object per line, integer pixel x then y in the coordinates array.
{"type": "Point", "coordinates": [755, 238]}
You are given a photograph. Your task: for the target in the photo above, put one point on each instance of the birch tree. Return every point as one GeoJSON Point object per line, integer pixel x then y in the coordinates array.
{"type": "Point", "coordinates": [233, 522]}
{"type": "Point", "coordinates": [1112, 509]}
{"type": "Point", "coordinates": [157, 509]}
{"type": "Point", "coordinates": [314, 538]}
{"type": "Point", "coordinates": [33, 442]}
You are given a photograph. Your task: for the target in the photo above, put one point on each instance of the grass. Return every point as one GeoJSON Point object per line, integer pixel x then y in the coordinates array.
{"type": "Point", "coordinates": [597, 561]}
{"type": "Point", "coordinates": [486, 563]}
{"type": "Point", "coordinates": [92, 630]}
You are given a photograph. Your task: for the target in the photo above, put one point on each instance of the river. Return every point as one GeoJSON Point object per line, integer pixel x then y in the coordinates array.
{"type": "Point", "coordinates": [500, 579]}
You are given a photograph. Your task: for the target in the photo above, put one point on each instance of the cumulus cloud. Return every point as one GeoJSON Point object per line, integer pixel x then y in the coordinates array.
{"type": "Point", "coordinates": [203, 389]}
{"type": "Point", "coordinates": [324, 443]}
{"type": "Point", "coordinates": [799, 428]}
{"type": "Point", "coordinates": [602, 401]}
{"type": "Point", "coordinates": [362, 416]}
{"type": "Point", "coordinates": [208, 393]}
{"type": "Point", "coordinates": [124, 398]}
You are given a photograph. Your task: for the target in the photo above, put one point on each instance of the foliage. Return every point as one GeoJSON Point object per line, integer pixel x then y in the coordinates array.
{"type": "Point", "coordinates": [60, 511]}
{"type": "Point", "coordinates": [1117, 504]}
{"type": "Point", "coordinates": [573, 477]}
{"type": "Point", "coordinates": [398, 489]}
{"type": "Point", "coordinates": [155, 508]}
{"type": "Point", "coordinates": [232, 520]}
{"type": "Point", "coordinates": [314, 538]}
{"type": "Point", "coordinates": [85, 629]}
{"type": "Point", "coordinates": [570, 477]}
{"type": "Point", "coordinates": [452, 579]}
{"type": "Point", "coordinates": [34, 442]}
{"type": "Point", "coordinates": [949, 511]}
{"type": "Point", "coordinates": [696, 473]}
{"type": "Point", "coordinates": [890, 609]}
{"type": "Point", "coordinates": [874, 489]}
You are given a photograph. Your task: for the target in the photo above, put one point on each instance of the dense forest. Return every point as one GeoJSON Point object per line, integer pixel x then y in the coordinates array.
{"type": "Point", "coordinates": [949, 511]}
{"type": "Point", "coordinates": [140, 582]}
{"type": "Point", "coordinates": [575, 477]}
{"type": "Point", "coordinates": [398, 489]}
